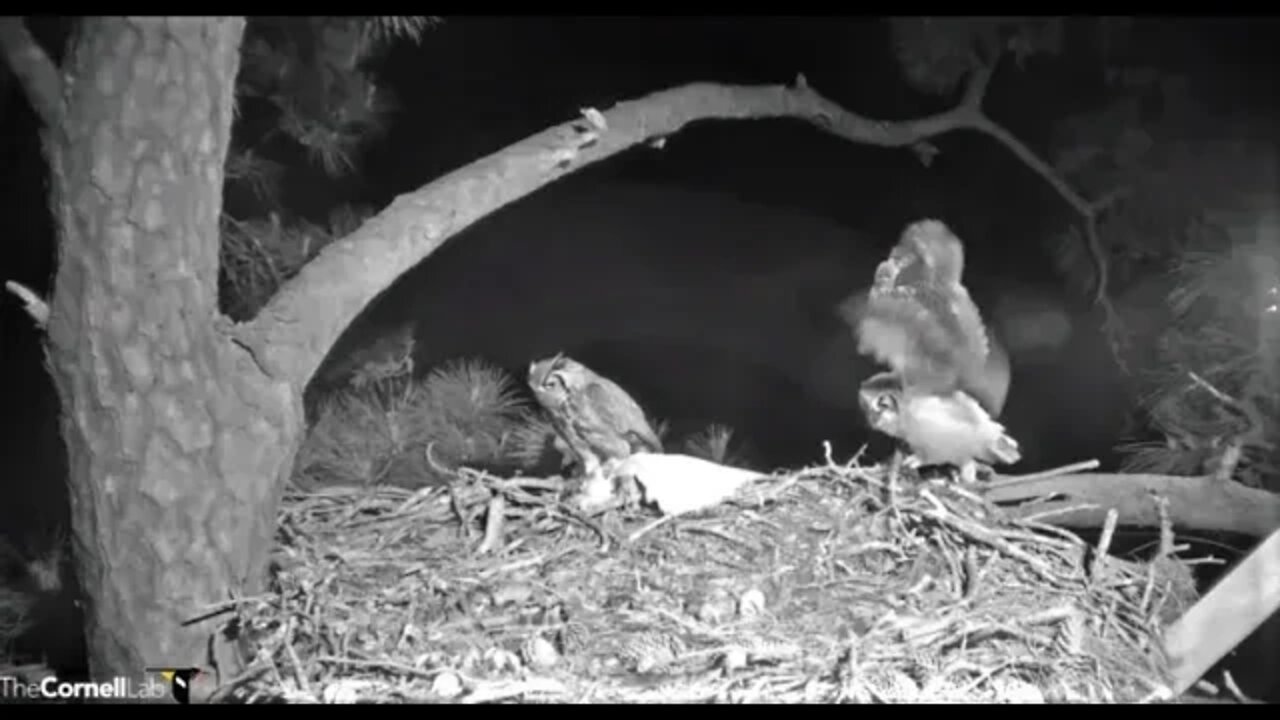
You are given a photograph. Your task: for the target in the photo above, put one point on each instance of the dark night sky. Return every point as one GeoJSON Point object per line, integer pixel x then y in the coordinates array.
{"type": "Point", "coordinates": [700, 276]}
{"type": "Point", "coordinates": [748, 231]}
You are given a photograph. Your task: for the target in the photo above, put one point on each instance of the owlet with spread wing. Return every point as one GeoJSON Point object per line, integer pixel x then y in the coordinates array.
{"type": "Point", "coordinates": [948, 380]}
{"type": "Point", "coordinates": [919, 319]}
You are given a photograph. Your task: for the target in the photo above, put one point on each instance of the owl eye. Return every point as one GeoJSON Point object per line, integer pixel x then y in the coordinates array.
{"type": "Point", "coordinates": [886, 403]}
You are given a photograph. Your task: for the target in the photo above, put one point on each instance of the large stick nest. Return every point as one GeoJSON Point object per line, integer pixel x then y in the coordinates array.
{"type": "Point", "coordinates": [821, 585]}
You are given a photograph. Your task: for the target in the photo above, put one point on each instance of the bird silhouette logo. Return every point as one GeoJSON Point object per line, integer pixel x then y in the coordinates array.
{"type": "Point", "coordinates": [179, 680]}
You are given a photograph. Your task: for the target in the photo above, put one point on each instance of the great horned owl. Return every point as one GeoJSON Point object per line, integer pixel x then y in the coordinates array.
{"type": "Point", "coordinates": [595, 417]}
{"type": "Point", "coordinates": [951, 428]}
{"type": "Point", "coordinates": [920, 320]}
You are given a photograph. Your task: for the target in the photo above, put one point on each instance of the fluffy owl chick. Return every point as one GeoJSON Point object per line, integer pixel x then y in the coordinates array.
{"type": "Point", "coordinates": [595, 417]}
{"type": "Point", "coordinates": [920, 320]}
{"type": "Point", "coordinates": [950, 429]}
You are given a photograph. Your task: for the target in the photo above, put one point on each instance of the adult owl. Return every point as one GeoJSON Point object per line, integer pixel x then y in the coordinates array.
{"type": "Point", "coordinates": [941, 429]}
{"type": "Point", "coordinates": [595, 417]}
{"type": "Point", "coordinates": [919, 319]}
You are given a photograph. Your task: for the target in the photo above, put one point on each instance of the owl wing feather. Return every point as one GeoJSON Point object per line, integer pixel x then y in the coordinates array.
{"type": "Point", "coordinates": [620, 413]}
{"type": "Point", "coordinates": [934, 337]}
{"type": "Point", "coordinates": [903, 332]}
{"type": "Point", "coordinates": [955, 429]}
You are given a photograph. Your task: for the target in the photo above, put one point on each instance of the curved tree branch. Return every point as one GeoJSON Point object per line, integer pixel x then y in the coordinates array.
{"type": "Point", "coordinates": [1087, 210]}
{"type": "Point", "coordinates": [34, 69]}
{"type": "Point", "coordinates": [291, 335]}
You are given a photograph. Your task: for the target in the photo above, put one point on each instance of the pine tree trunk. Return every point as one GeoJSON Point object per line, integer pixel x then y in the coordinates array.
{"type": "Point", "coordinates": [177, 441]}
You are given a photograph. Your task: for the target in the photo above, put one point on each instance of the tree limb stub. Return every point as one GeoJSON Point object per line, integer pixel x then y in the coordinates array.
{"type": "Point", "coordinates": [292, 334]}
{"type": "Point", "coordinates": [34, 69]}
{"type": "Point", "coordinates": [35, 305]}
{"type": "Point", "coordinates": [1195, 503]}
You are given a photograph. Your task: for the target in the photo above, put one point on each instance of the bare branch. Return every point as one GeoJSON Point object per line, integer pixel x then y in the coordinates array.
{"type": "Point", "coordinates": [1194, 503]}
{"type": "Point", "coordinates": [975, 119]}
{"type": "Point", "coordinates": [329, 294]}
{"type": "Point", "coordinates": [33, 68]}
{"type": "Point", "coordinates": [1087, 210]}
{"type": "Point", "coordinates": [415, 224]}
{"type": "Point", "coordinates": [976, 89]}
{"type": "Point", "coordinates": [35, 306]}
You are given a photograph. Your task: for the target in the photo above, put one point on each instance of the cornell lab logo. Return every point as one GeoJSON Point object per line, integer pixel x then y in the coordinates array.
{"type": "Point", "coordinates": [179, 680]}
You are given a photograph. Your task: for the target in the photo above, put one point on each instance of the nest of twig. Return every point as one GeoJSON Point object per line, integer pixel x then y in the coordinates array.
{"type": "Point", "coordinates": [821, 585]}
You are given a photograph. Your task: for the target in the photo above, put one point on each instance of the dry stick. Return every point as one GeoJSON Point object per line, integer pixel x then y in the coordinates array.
{"type": "Point", "coordinates": [1235, 691]}
{"type": "Point", "coordinates": [574, 514]}
{"type": "Point", "coordinates": [985, 536]}
{"type": "Point", "coordinates": [1166, 549]}
{"type": "Point", "coordinates": [1231, 456]}
{"type": "Point", "coordinates": [506, 690]}
{"type": "Point", "coordinates": [388, 665]}
{"type": "Point", "coordinates": [1008, 480]}
{"type": "Point", "coordinates": [649, 527]}
{"type": "Point", "coordinates": [1104, 545]}
{"type": "Point", "coordinates": [493, 523]}
{"type": "Point", "coordinates": [299, 673]}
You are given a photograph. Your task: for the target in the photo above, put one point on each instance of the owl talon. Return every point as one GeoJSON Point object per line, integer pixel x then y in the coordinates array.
{"type": "Point", "coordinates": [595, 489]}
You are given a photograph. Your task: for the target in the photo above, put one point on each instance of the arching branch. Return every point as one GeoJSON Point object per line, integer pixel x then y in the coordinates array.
{"type": "Point", "coordinates": [1088, 211]}
{"type": "Point", "coordinates": [291, 335]}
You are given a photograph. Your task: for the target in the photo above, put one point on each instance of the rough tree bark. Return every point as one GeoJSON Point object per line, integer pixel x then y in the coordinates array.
{"type": "Point", "coordinates": [182, 426]}
{"type": "Point", "coordinates": [175, 438]}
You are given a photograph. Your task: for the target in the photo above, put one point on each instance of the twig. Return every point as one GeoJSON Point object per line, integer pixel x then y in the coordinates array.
{"type": "Point", "coordinates": [494, 523]}
{"type": "Point", "coordinates": [723, 535]}
{"type": "Point", "coordinates": [36, 307]}
{"type": "Point", "coordinates": [573, 513]}
{"type": "Point", "coordinates": [1166, 528]}
{"type": "Point", "coordinates": [1104, 545]}
{"type": "Point", "coordinates": [299, 672]}
{"type": "Point", "coordinates": [649, 527]}
{"type": "Point", "coordinates": [1230, 683]}
{"type": "Point", "coordinates": [985, 536]}
{"type": "Point", "coordinates": [388, 665]}
{"type": "Point", "coordinates": [1008, 480]}
{"type": "Point", "coordinates": [525, 562]}
{"type": "Point", "coordinates": [504, 690]}
{"type": "Point", "coordinates": [1206, 385]}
